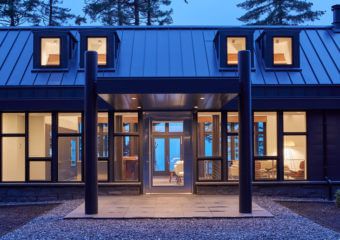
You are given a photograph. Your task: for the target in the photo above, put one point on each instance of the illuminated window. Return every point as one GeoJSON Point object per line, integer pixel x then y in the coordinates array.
{"type": "Point", "coordinates": [234, 45]}
{"type": "Point", "coordinates": [50, 52]}
{"type": "Point", "coordinates": [282, 47]}
{"type": "Point", "coordinates": [98, 44]}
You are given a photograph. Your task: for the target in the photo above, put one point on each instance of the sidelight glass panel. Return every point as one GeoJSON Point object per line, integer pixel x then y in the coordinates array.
{"type": "Point", "coordinates": [159, 151]}
{"type": "Point", "coordinates": [283, 51]}
{"type": "Point", "coordinates": [50, 51]}
{"type": "Point", "coordinates": [234, 45]}
{"type": "Point", "coordinates": [103, 139]}
{"type": "Point", "coordinates": [295, 158]}
{"type": "Point", "coordinates": [69, 159]}
{"type": "Point", "coordinates": [209, 136]}
{"type": "Point", "coordinates": [233, 124]}
{"type": "Point", "coordinates": [69, 123]}
{"type": "Point", "coordinates": [294, 121]}
{"type": "Point", "coordinates": [126, 122]}
{"type": "Point", "coordinates": [40, 125]}
{"type": "Point", "coordinates": [265, 170]}
{"type": "Point", "coordinates": [40, 171]}
{"type": "Point", "coordinates": [13, 159]}
{"type": "Point", "coordinates": [126, 158]}
{"type": "Point", "coordinates": [102, 170]}
{"type": "Point", "coordinates": [13, 123]}
{"type": "Point", "coordinates": [209, 170]}
{"type": "Point", "coordinates": [98, 44]}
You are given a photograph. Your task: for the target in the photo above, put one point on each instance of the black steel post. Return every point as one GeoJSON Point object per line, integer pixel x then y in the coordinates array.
{"type": "Point", "coordinates": [90, 134]}
{"type": "Point", "coordinates": [245, 133]}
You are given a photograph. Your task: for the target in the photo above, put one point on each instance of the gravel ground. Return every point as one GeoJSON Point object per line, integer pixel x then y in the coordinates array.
{"type": "Point", "coordinates": [323, 213]}
{"type": "Point", "coordinates": [285, 225]}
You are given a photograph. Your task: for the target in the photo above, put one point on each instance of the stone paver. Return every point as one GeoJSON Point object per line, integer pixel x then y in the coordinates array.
{"type": "Point", "coordinates": [168, 206]}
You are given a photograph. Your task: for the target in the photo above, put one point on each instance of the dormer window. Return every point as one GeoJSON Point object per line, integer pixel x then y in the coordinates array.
{"type": "Point", "coordinates": [50, 52]}
{"type": "Point", "coordinates": [280, 51]}
{"type": "Point", "coordinates": [98, 44]}
{"type": "Point", "coordinates": [283, 51]}
{"type": "Point", "coordinates": [228, 44]}
{"type": "Point", "coordinates": [234, 45]}
{"type": "Point", "coordinates": [104, 42]}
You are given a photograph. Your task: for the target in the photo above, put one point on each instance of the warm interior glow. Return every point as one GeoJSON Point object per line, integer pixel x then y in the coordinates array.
{"type": "Point", "coordinates": [100, 46]}
{"type": "Point", "coordinates": [50, 51]}
{"type": "Point", "coordinates": [234, 45]}
{"type": "Point", "coordinates": [282, 48]}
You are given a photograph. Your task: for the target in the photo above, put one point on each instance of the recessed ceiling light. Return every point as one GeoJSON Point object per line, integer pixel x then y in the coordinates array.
{"type": "Point", "coordinates": [202, 98]}
{"type": "Point", "coordinates": [133, 98]}
{"type": "Point", "coordinates": [196, 107]}
{"type": "Point", "coordinates": [139, 107]}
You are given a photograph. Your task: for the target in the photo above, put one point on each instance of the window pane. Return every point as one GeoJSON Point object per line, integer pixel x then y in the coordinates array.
{"type": "Point", "coordinates": [126, 122]}
{"type": "Point", "coordinates": [233, 122]}
{"type": "Point", "coordinates": [126, 158]}
{"type": "Point", "coordinates": [40, 135]}
{"type": "Point", "coordinates": [102, 171]}
{"type": "Point", "coordinates": [234, 45]}
{"type": "Point", "coordinates": [50, 51]}
{"type": "Point", "coordinates": [69, 159]}
{"type": "Point", "coordinates": [265, 169]}
{"type": "Point", "coordinates": [283, 51]}
{"type": "Point", "coordinates": [265, 134]}
{"type": "Point", "coordinates": [295, 158]}
{"type": "Point", "coordinates": [13, 159]}
{"type": "Point", "coordinates": [103, 141]}
{"type": "Point", "coordinates": [209, 170]}
{"type": "Point", "coordinates": [158, 126]}
{"type": "Point", "coordinates": [13, 122]}
{"type": "Point", "coordinates": [209, 139]}
{"type": "Point", "coordinates": [40, 171]}
{"type": "Point", "coordinates": [69, 123]}
{"type": "Point", "coordinates": [175, 126]}
{"type": "Point", "coordinates": [100, 46]}
{"type": "Point", "coordinates": [233, 157]}
{"type": "Point", "coordinates": [294, 122]}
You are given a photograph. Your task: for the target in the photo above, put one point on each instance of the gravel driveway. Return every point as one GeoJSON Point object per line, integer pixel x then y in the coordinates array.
{"type": "Point", "coordinates": [285, 225]}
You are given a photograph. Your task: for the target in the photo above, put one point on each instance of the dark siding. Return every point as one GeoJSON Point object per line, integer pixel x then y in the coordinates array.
{"type": "Point", "coordinates": [315, 145]}
{"type": "Point", "coordinates": [333, 146]}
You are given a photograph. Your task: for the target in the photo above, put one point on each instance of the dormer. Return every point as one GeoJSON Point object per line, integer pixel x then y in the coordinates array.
{"type": "Point", "coordinates": [105, 43]}
{"type": "Point", "coordinates": [280, 49]}
{"type": "Point", "coordinates": [227, 45]}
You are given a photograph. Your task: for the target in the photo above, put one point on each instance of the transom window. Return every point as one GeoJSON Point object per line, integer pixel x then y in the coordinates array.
{"type": "Point", "coordinates": [98, 44]}
{"type": "Point", "coordinates": [50, 52]}
{"type": "Point", "coordinates": [234, 45]}
{"type": "Point", "coordinates": [282, 50]}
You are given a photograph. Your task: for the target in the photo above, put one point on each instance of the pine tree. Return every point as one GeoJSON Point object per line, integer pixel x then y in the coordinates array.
{"type": "Point", "coordinates": [156, 12]}
{"type": "Point", "coordinates": [17, 12]}
{"type": "Point", "coordinates": [278, 12]}
{"type": "Point", "coordinates": [109, 12]}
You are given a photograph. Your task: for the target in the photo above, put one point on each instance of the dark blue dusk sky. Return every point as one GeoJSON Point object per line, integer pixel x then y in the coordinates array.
{"type": "Point", "coordinates": [213, 12]}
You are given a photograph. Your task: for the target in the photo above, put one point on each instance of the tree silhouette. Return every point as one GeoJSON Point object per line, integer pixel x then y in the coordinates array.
{"type": "Point", "coordinates": [17, 12]}
{"type": "Point", "coordinates": [278, 12]}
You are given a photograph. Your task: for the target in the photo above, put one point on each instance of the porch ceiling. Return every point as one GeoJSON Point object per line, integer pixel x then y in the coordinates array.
{"type": "Point", "coordinates": [167, 101]}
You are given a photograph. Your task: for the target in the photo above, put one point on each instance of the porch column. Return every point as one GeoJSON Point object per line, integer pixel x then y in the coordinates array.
{"type": "Point", "coordinates": [245, 133]}
{"type": "Point", "coordinates": [90, 134]}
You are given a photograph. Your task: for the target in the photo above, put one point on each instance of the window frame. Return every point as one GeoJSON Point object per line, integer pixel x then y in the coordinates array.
{"type": "Point", "coordinates": [112, 42]}
{"type": "Point", "coordinates": [266, 46]}
{"type": "Point", "coordinates": [64, 50]}
{"type": "Point", "coordinates": [221, 41]}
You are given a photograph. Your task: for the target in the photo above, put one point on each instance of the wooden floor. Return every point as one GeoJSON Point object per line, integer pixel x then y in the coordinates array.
{"type": "Point", "coordinates": [168, 206]}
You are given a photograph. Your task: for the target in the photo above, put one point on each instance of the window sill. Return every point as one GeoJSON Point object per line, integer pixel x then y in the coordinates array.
{"type": "Point", "coordinates": [37, 70]}
{"type": "Point", "coordinates": [232, 69]}
{"type": "Point", "coordinates": [100, 69]}
{"type": "Point", "coordinates": [282, 69]}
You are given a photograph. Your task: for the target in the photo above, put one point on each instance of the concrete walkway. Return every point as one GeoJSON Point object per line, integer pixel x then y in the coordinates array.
{"type": "Point", "coordinates": [168, 206]}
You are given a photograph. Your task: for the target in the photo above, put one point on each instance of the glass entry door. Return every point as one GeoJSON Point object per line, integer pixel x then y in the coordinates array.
{"type": "Point", "coordinates": [167, 152]}
{"type": "Point", "coordinates": [168, 162]}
